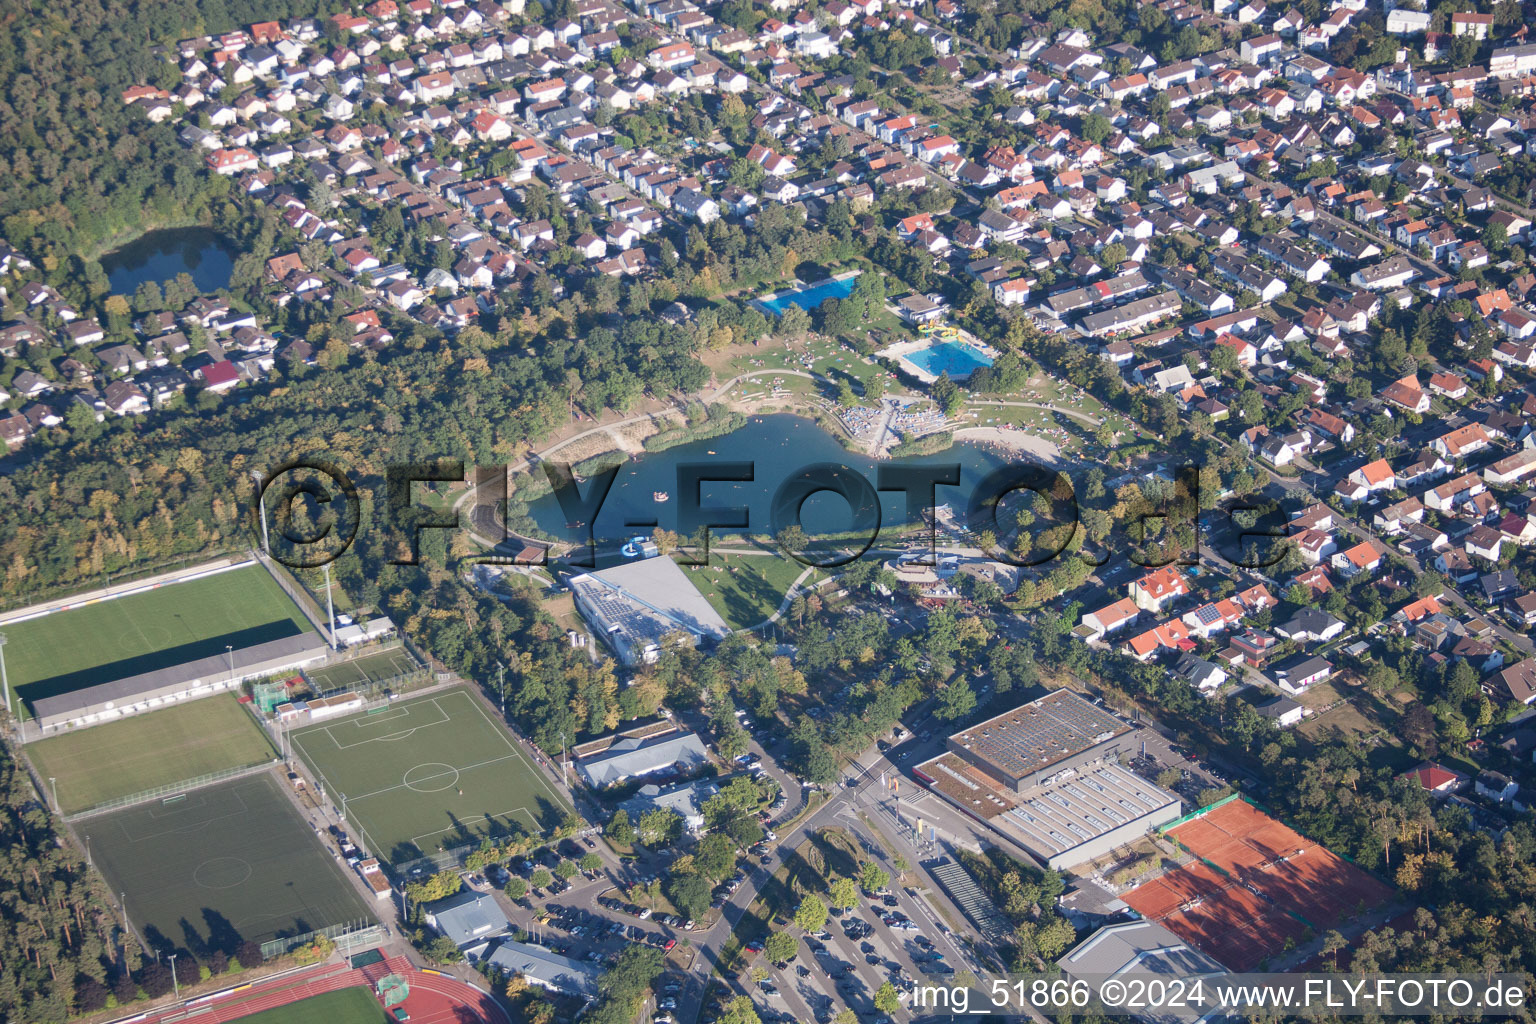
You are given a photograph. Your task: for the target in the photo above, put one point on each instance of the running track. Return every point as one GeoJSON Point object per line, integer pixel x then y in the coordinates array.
{"type": "Point", "coordinates": [433, 999]}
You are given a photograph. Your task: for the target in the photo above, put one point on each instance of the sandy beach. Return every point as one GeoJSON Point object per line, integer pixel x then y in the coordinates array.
{"type": "Point", "coordinates": [1013, 440]}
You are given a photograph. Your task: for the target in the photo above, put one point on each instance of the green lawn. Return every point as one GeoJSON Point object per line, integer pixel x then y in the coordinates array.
{"type": "Point", "coordinates": [344, 1006]}
{"type": "Point", "coordinates": [170, 625]}
{"type": "Point", "coordinates": [831, 359]}
{"type": "Point", "coordinates": [745, 589]}
{"type": "Point", "coordinates": [161, 748]}
{"type": "Point", "coordinates": [428, 773]}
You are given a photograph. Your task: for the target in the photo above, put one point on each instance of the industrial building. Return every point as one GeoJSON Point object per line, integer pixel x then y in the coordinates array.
{"type": "Point", "coordinates": [1026, 746]}
{"type": "Point", "coordinates": [1047, 776]}
{"type": "Point", "coordinates": [633, 606]}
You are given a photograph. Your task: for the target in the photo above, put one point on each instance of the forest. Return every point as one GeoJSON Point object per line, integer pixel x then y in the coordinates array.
{"type": "Point", "coordinates": [83, 170]}
{"type": "Point", "coordinates": [63, 951]}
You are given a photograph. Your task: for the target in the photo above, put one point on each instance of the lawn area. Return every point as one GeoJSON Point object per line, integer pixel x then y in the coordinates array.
{"type": "Point", "coordinates": [161, 748]}
{"type": "Point", "coordinates": [344, 1006]}
{"type": "Point", "coordinates": [1355, 714]}
{"type": "Point", "coordinates": [170, 625]}
{"type": "Point", "coordinates": [745, 589]}
{"type": "Point", "coordinates": [831, 359]}
{"type": "Point", "coordinates": [1031, 421]}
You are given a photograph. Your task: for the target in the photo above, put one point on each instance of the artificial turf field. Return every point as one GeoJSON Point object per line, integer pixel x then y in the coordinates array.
{"type": "Point", "coordinates": [428, 773]}
{"type": "Point", "coordinates": [139, 753]}
{"type": "Point", "coordinates": [343, 1006]}
{"type": "Point", "coordinates": [371, 668]}
{"type": "Point", "coordinates": [230, 859]}
{"type": "Point", "coordinates": [125, 636]}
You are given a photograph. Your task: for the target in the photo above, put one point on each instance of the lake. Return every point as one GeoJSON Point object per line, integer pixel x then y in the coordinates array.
{"type": "Point", "coordinates": [160, 255]}
{"type": "Point", "coordinates": [780, 447]}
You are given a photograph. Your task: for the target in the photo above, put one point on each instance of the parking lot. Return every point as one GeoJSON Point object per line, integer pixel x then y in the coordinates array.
{"type": "Point", "coordinates": [891, 937]}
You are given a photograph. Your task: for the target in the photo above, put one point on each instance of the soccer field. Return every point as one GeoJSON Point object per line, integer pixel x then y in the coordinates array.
{"type": "Point", "coordinates": [93, 766]}
{"type": "Point", "coordinates": [229, 860]}
{"type": "Point", "coordinates": [371, 668]}
{"type": "Point", "coordinates": [171, 625]}
{"type": "Point", "coordinates": [429, 773]}
{"type": "Point", "coordinates": [343, 1006]}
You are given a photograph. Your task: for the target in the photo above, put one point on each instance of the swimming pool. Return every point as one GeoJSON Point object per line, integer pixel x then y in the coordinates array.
{"type": "Point", "coordinates": [810, 297]}
{"type": "Point", "coordinates": [952, 357]}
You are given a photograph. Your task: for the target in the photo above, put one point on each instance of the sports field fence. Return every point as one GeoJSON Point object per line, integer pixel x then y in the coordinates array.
{"type": "Point", "coordinates": [372, 687]}
{"type": "Point", "coordinates": [16, 599]}
{"type": "Point", "coordinates": [349, 936]}
{"type": "Point", "coordinates": [300, 597]}
{"type": "Point", "coordinates": [455, 856]}
{"type": "Point", "coordinates": [173, 789]}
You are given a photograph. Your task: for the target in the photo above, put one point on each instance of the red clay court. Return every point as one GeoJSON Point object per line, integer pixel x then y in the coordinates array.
{"type": "Point", "coordinates": [1256, 884]}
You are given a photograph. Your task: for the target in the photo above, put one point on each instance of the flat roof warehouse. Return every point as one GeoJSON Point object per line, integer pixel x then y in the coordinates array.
{"type": "Point", "coordinates": [1047, 776]}
{"type": "Point", "coordinates": [1034, 736]}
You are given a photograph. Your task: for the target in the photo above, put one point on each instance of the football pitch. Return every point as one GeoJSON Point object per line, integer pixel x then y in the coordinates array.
{"type": "Point", "coordinates": [94, 766]}
{"type": "Point", "coordinates": [430, 773]}
{"type": "Point", "coordinates": [229, 860]}
{"type": "Point", "coordinates": [371, 668]}
{"type": "Point", "coordinates": [125, 636]}
{"type": "Point", "coordinates": [344, 1006]}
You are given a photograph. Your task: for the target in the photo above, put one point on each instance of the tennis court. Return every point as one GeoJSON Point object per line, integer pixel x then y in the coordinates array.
{"type": "Point", "coordinates": [1216, 915]}
{"type": "Point", "coordinates": [106, 762]}
{"type": "Point", "coordinates": [1256, 884]}
{"type": "Point", "coordinates": [361, 672]}
{"type": "Point", "coordinates": [1293, 872]}
{"type": "Point", "coordinates": [232, 860]}
{"type": "Point", "coordinates": [171, 625]}
{"type": "Point", "coordinates": [421, 775]}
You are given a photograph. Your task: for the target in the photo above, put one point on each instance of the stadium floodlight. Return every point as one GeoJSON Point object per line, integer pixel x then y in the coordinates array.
{"type": "Point", "coordinates": [266, 545]}
{"type": "Point", "coordinates": [174, 980]}
{"type": "Point", "coordinates": [4, 682]}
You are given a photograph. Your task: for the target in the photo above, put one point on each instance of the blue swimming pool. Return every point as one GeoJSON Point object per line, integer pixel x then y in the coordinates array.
{"type": "Point", "coordinates": [952, 357]}
{"type": "Point", "coordinates": [813, 296]}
